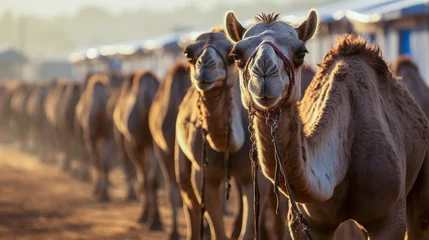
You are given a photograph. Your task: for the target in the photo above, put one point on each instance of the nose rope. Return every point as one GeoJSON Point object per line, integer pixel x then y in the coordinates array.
{"type": "Point", "coordinates": [289, 69]}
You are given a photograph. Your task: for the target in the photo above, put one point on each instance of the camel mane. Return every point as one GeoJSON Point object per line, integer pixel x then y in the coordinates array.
{"type": "Point", "coordinates": [218, 29]}
{"type": "Point", "coordinates": [267, 18]}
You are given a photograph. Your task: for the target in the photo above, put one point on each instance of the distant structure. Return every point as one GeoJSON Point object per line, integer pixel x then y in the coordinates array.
{"type": "Point", "coordinates": [12, 63]}
{"type": "Point", "coordinates": [400, 27]}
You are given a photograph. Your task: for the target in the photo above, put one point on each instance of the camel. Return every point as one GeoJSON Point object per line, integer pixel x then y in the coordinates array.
{"type": "Point", "coordinates": [6, 110]}
{"type": "Point", "coordinates": [71, 137]}
{"type": "Point", "coordinates": [131, 118]}
{"type": "Point", "coordinates": [35, 111]}
{"type": "Point", "coordinates": [408, 70]}
{"type": "Point", "coordinates": [214, 81]}
{"type": "Point", "coordinates": [162, 125]}
{"type": "Point", "coordinates": [52, 107]}
{"type": "Point", "coordinates": [21, 120]}
{"type": "Point", "coordinates": [94, 112]}
{"type": "Point", "coordinates": [115, 103]}
{"type": "Point", "coordinates": [355, 147]}
{"type": "Point", "coordinates": [97, 127]}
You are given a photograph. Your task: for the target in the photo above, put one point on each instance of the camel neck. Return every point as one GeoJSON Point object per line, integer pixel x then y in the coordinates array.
{"type": "Point", "coordinates": [311, 167]}
{"type": "Point", "coordinates": [222, 107]}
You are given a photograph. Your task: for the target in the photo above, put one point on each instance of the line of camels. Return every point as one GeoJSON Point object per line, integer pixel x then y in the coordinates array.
{"type": "Point", "coordinates": [350, 141]}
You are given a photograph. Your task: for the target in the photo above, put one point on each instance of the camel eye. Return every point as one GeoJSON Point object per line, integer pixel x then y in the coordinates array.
{"type": "Point", "coordinates": [237, 59]}
{"type": "Point", "coordinates": [189, 57]}
{"type": "Point", "coordinates": [298, 59]}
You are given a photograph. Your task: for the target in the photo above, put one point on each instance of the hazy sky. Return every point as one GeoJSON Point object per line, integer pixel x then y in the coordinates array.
{"type": "Point", "coordinates": [50, 8]}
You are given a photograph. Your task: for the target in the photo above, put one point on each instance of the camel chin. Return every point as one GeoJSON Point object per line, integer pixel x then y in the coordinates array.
{"type": "Point", "coordinates": [205, 86]}
{"type": "Point", "coordinates": [265, 103]}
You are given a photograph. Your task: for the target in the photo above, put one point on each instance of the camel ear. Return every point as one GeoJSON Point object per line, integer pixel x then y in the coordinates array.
{"type": "Point", "coordinates": [234, 29]}
{"type": "Point", "coordinates": [308, 28]}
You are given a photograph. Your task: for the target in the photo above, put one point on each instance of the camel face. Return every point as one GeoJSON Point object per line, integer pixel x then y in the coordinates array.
{"type": "Point", "coordinates": [269, 55]}
{"type": "Point", "coordinates": [208, 58]}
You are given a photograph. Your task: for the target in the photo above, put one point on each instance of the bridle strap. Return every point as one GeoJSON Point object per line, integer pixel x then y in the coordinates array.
{"type": "Point", "coordinates": [262, 113]}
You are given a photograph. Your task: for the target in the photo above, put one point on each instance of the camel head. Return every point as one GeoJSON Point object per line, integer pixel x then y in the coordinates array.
{"type": "Point", "coordinates": [268, 55]}
{"type": "Point", "coordinates": [209, 60]}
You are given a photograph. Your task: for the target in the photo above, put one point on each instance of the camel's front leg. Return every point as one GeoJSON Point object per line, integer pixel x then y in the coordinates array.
{"type": "Point", "coordinates": [391, 228]}
{"type": "Point", "coordinates": [166, 164]}
{"type": "Point", "coordinates": [191, 206]}
{"type": "Point", "coordinates": [213, 201]}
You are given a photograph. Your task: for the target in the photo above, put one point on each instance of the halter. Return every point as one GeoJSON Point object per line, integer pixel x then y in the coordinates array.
{"type": "Point", "coordinates": [205, 132]}
{"type": "Point", "coordinates": [263, 113]}
{"type": "Point", "coordinates": [272, 117]}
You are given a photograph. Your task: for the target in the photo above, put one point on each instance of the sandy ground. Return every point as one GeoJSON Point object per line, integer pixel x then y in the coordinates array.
{"type": "Point", "coordinates": [39, 201]}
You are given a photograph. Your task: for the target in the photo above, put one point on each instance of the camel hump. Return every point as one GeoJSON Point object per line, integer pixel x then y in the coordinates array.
{"type": "Point", "coordinates": [404, 61]}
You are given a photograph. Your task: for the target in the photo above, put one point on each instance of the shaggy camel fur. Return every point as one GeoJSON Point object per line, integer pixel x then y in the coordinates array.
{"type": "Point", "coordinates": [213, 78]}
{"type": "Point", "coordinates": [131, 118]}
{"type": "Point", "coordinates": [354, 148]}
{"type": "Point", "coordinates": [162, 124]}
{"type": "Point", "coordinates": [408, 70]}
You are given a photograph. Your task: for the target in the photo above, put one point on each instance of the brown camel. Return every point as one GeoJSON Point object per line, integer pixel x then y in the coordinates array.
{"type": "Point", "coordinates": [408, 70]}
{"type": "Point", "coordinates": [354, 148]}
{"type": "Point", "coordinates": [6, 112]}
{"type": "Point", "coordinates": [97, 126]}
{"type": "Point", "coordinates": [52, 107]}
{"type": "Point", "coordinates": [214, 81]}
{"type": "Point", "coordinates": [21, 120]}
{"type": "Point", "coordinates": [71, 137]}
{"type": "Point", "coordinates": [35, 111]}
{"type": "Point", "coordinates": [162, 124]}
{"type": "Point", "coordinates": [131, 118]}
{"type": "Point", "coordinates": [115, 102]}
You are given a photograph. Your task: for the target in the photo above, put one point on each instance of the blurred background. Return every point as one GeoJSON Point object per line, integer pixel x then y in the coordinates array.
{"type": "Point", "coordinates": [45, 39]}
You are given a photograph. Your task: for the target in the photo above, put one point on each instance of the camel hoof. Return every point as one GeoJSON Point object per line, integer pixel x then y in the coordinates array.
{"type": "Point", "coordinates": [143, 219]}
{"type": "Point", "coordinates": [156, 226]}
{"type": "Point", "coordinates": [103, 196]}
{"type": "Point", "coordinates": [174, 235]}
{"type": "Point", "coordinates": [85, 177]}
{"type": "Point", "coordinates": [132, 196]}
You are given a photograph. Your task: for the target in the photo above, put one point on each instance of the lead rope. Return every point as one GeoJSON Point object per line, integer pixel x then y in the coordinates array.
{"type": "Point", "coordinates": [254, 159]}
{"type": "Point", "coordinates": [280, 168]}
{"type": "Point", "coordinates": [204, 163]}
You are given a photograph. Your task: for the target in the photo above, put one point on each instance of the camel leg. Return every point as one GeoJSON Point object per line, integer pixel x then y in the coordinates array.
{"type": "Point", "coordinates": [238, 221]}
{"type": "Point", "coordinates": [318, 232]}
{"type": "Point", "coordinates": [131, 176]}
{"type": "Point", "coordinates": [137, 157]}
{"type": "Point", "coordinates": [107, 151]}
{"type": "Point", "coordinates": [391, 228]}
{"type": "Point", "coordinates": [129, 169]}
{"type": "Point", "coordinates": [248, 230]}
{"type": "Point", "coordinates": [153, 177]}
{"type": "Point", "coordinates": [166, 164]}
{"type": "Point", "coordinates": [418, 205]}
{"type": "Point", "coordinates": [84, 164]}
{"type": "Point", "coordinates": [191, 206]}
{"type": "Point", "coordinates": [213, 202]}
